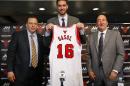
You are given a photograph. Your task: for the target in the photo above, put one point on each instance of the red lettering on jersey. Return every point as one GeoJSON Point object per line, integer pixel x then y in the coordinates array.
{"type": "Point", "coordinates": [69, 52]}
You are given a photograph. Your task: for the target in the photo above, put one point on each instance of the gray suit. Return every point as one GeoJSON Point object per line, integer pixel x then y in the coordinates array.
{"type": "Point", "coordinates": [112, 55]}
{"type": "Point", "coordinates": [71, 20]}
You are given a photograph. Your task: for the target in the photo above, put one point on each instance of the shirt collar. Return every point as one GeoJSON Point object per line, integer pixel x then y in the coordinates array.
{"type": "Point", "coordinates": [99, 32]}
{"type": "Point", "coordinates": [65, 17]}
{"type": "Point", "coordinates": [34, 34]}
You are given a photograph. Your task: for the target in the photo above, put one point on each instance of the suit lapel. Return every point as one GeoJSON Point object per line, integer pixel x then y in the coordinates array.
{"type": "Point", "coordinates": [57, 21]}
{"type": "Point", "coordinates": [96, 40]}
{"type": "Point", "coordinates": [38, 40]}
{"type": "Point", "coordinates": [69, 21]}
{"type": "Point", "coordinates": [107, 36]}
{"type": "Point", "coordinates": [26, 40]}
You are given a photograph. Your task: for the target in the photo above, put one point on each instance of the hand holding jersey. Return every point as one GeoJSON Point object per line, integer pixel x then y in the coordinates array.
{"type": "Point", "coordinates": [50, 26]}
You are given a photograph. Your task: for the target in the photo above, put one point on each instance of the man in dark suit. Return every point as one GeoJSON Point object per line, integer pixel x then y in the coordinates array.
{"type": "Point", "coordinates": [105, 53]}
{"type": "Point", "coordinates": [62, 7]}
{"type": "Point", "coordinates": [26, 56]}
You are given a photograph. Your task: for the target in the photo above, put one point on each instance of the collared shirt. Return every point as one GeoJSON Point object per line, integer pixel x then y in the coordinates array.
{"type": "Point", "coordinates": [99, 34]}
{"type": "Point", "coordinates": [36, 44]}
{"type": "Point", "coordinates": [65, 19]}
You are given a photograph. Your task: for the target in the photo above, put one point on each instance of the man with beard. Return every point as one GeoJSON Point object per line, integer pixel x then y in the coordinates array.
{"type": "Point", "coordinates": [64, 20]}
{"type": "Point", "coordinates": [61, 70]}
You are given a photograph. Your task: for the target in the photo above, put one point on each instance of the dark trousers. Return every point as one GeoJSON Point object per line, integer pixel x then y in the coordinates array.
{"type": "Point", "coordinates": [32, 79]}
{"type": "Point", "coordinates": [102, 80]}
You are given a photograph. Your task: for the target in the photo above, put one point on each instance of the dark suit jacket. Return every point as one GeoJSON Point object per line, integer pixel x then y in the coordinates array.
{"type": "Point", "coordinates": [18, 55]}
{"type": "Point", "coordinates": [112, 55]}
{"type": "Point", "coordinates": [71, 20]}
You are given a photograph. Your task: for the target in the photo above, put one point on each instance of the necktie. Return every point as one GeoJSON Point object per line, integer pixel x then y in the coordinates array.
{"type": "Point", "coordinates": [34, 55]}
{"type": "Point", "coordinates": [63, 22]}
{"type": "Point", "coordinates": [100, 48]}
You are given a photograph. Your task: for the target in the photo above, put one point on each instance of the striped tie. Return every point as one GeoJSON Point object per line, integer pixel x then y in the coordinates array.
{"type": "Point", "coordinates": [34, 55]}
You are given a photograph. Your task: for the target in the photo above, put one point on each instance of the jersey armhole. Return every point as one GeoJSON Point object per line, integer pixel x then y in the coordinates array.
{"type": "Point", "coordinates": [78, 36]}
{"type": "Point", "coordinates": [52, 37]}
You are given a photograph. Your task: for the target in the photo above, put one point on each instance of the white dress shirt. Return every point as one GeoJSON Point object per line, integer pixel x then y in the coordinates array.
{"type": "Point", "coordinates": [65, 19]}
{"type": "Point", "coordinates": [36, 44]}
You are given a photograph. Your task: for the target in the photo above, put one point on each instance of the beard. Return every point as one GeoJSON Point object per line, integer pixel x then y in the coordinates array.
{"type": "Point", "coordinates": [62, 12]}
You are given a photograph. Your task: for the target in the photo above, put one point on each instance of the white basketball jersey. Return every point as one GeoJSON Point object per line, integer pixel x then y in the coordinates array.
{"type": "Point", "coordinates": [65, 57]}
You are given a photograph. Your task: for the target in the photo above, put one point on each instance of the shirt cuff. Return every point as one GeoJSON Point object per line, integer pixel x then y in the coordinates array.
{"type": "Point", "coordinates": [82, 32]}
{"type": "Point", "coordinates": [115, 71]}
{"type": "Point", "coordinates": [47, 34]}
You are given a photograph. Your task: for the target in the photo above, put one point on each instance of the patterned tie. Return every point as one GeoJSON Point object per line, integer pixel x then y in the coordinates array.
{"type": "Point", "coordinates": [100, 48]}
{"type": "Point", "coordinates": [34, 55]}
{"type": "Point", "coordinates": [63, 22]}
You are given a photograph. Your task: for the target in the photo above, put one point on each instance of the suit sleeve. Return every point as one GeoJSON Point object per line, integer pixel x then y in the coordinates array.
{"type": "Point", "coordinates": [48, 35]}
{"type": "Point", "coordinates": [46, 44]}
{"type": "Point", "coordinates": [11, 53]}
{"type": "Point", "coordinates": [82, 33]}
{"type": "Point", "coordinates": [89, 54]}
{"type": "Point", "coordinates": [44, 52]}
{"type": "Point", "coordinates": [50, 20]}
{"type": "Point", "coordinates": [83, 38]}
{"type": "Point", "coordinates": [120, 53]}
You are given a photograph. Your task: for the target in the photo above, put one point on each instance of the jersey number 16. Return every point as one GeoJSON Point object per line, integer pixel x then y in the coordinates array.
{"type": "Point", "coordinates": [69, 53]}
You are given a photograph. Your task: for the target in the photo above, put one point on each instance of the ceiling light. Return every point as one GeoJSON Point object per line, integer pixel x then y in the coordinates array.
{"type": "Point", "coordinates": [127, 12]}
{"type": "Point", "coordinates": [94, 9]}
{"type": "Point", "coordinates": [42, 9]}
